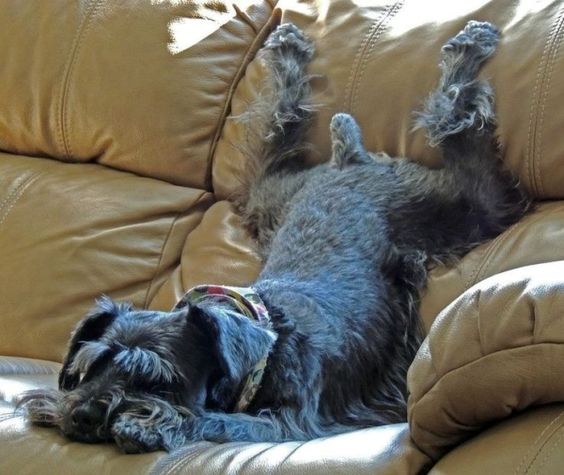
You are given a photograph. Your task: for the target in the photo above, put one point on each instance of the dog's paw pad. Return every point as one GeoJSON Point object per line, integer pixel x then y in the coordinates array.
{"type": "Point", "coordinates": [289, 37]}
{"type": "Point", "coordinates": [477, 38]}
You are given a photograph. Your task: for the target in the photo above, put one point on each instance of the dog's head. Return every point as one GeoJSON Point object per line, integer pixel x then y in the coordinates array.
{"type": "Point", "coordinates": [155, 367]}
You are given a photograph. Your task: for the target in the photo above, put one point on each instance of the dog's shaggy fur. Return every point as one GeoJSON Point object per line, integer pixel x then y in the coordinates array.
{"type": "Point", "coordinates": [346, 248]}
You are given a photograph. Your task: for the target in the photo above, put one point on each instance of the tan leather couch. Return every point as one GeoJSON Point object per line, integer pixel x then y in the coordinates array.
{"type": "Point", "coordinates": [119, 150]}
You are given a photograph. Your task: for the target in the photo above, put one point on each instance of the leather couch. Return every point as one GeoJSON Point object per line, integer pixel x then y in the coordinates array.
{"type": "Point", "coordinates": [120, 147]}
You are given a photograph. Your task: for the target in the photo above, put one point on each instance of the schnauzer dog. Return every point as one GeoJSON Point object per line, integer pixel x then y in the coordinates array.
{"type": "Point", "coordinates": [346, 246]}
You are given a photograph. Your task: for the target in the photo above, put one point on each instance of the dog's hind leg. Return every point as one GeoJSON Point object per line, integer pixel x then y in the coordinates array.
{"type": "Point", "coordinates": [478, 196]}
{"type": "Point", "coordinates": [276, 162]}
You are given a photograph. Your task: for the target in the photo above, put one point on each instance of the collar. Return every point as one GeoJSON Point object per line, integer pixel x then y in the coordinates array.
{"type": "Point", "coordinates": [247, 302]}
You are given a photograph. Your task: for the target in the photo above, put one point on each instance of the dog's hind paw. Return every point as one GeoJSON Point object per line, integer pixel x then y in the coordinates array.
{"type": "Point", "coordinates": [288, 37]}
{"type": "Point", "coordinates": [346, 142]}
{"type": "Point", "coordinates": [478, 39]}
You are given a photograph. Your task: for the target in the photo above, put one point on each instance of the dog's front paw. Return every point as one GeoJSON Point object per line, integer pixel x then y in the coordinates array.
{"type": "Point", "coordinates": [134, 437]}
{"type": "Point", "coordinates": [478, 38]}
{"type": "Point", "coordinates": [289, 37]}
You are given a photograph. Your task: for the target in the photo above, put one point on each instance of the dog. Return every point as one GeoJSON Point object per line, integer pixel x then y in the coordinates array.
{"type": "Point", "coordinates": [321, 342]}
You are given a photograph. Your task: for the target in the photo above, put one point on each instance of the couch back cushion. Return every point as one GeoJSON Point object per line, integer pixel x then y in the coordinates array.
{"type": "Point", "coordinates": [138, 86]}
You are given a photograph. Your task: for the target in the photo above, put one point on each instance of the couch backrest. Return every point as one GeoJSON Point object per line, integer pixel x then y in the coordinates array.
{"type": "Point", "coordinates": [151, 91]}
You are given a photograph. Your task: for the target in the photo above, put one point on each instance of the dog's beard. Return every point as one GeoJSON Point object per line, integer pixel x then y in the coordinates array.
{"type": "Point", "coordinates": [136, 424]}
{"type": "Point", "coordinates": [42, 407]}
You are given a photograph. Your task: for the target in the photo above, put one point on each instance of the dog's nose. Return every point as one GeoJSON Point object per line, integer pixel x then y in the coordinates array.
{"type": "Point", "coordinates": [85, 418]}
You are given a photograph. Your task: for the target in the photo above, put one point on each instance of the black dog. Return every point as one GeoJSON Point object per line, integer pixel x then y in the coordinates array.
{"type": "Point", "coordinates": [346, 246]}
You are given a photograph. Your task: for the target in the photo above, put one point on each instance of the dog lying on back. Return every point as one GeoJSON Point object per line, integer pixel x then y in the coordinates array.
{"type": "Point", "coordinates": [346, 249]}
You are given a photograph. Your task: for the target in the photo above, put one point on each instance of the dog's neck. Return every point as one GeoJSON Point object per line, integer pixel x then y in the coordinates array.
{"type": "Point", "coordinates": [248, 303]}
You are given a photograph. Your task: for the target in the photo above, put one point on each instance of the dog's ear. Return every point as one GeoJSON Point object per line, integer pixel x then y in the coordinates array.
{"type": "Point", "coordinates": [237, 342]}
{"type": "Point", "coordinates": [90, 328]}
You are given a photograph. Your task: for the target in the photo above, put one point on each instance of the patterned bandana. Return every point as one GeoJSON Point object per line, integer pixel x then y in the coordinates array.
{"type": "Point", "coordinates": [246, 301]}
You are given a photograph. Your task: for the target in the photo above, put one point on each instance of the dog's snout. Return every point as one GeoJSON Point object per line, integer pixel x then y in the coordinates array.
{"type": "Point", "coordinates": [86, 418]}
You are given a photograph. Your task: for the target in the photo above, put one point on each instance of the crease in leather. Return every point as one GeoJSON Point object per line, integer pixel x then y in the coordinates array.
{"type": "Point", "coordinates": [19, 182]}
{"type": "Point", "coordinates": [532, 170]}
{"type": "Point", "coordinates": [63, 127]}
{"type": "Point", "coordinates": [362, 53]}
{"type": "Point", "coordinates": [483, 265]}
{"type": "Point", "coordinates": [538, 448]}
{"type": "Point", "coordinates": [254, 456]}
{"type": "Point", "coordinates": [15, 196]}
{"type": "Point", "coordinates": [458, 437]}
{"type": "Point", "coordinates": [158, 266]}
{"type": "Point", "coordinates": [247, 57]}
{"type": "Point", "coordinates": [9, 415]}
{"type": "Point", "coordinates": [389, 13]}
{"type": "Point", "coordinates": [550, 450]}
{"type": "Point", "coordinates": [179, 464]}
{"type": "Point", "coordinates": [10, 366]}
{"type": "Point", "coordinates": [290, 454]}
{"type": "Point", "coordinates": [165, 242]}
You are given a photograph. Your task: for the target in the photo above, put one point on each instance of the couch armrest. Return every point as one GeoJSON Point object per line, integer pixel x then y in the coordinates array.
{"type": "Point", "coordinates": [529, 443]}
{"type": "Point", "coordinates": [496, 350]}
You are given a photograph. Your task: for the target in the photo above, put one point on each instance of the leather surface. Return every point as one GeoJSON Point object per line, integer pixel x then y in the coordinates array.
{"type": "Point", "coordinates": [124, 83]}
{"type": "Point", "coordinates": [70, 232]}
{"type": "Point", "coordinates": [535, 239]}
{"type": "Point", "coordinates": [496, 350]}
{"type": "Point", "coordinates": [387, 450]}
{"type": "Point", "coordinates": [530, 443]}
{"type": "Point", "coordinates": [218, 250]}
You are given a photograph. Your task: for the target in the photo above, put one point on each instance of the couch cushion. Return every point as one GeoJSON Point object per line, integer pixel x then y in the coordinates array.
{"type": "Point", "coordinates": [139, 86]}
{"type": "Point", "coordinates": [535, 239]}
{"type": "Point", "coordinates": [495, 351]}
{"type": "Point", "coordinates": [70, 232]}
{"type": "Point", "coordinates": [529, 443]}
{"type": "Point", "coordinates": [385, 450]}
{"type": "Point", "coordinates": [217, 251]}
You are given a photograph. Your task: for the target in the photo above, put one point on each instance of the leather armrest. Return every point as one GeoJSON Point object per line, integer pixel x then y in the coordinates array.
{"type": "Point", "coordinates": [532, 442]}
{"type": "Point", "coordinates": [496, 350]}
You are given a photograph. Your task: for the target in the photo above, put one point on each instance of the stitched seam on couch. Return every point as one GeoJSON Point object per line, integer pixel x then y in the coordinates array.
{"type": "Point", "coordinates": [63, 126]}
{"type": "Point", "coordinates": [165, 242]}
{"type": "Point", "coordinates": [539, 149]}
{"type": "Point", "coordinates": [539, 95]}
{"type": "Point", "coordinates": [549, 451]}
{"type": "Point", "coordinates": [19, 182]}
{"type": "Point", "coordinates": [16, 195]}
{"type": "Point", "coordinates": [363, 53]}
{"type": "Point", "coordinates": [251, 51]}
{"type": "Point", "coordinates": [179, 464]}
{"type": "Point", "coordinates": [457, 437]}
{"type": "Point", "coordinates": [538, 449]}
